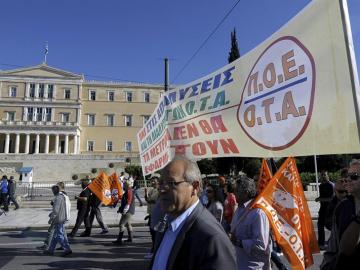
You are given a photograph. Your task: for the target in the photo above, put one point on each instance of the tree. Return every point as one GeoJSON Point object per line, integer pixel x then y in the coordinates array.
{"type": "Point", "coordinates": [234, 51]}
{"type": "Point", "coordinates": [134, 170]}
{"type": "Point", "coordinates": [207, 166]}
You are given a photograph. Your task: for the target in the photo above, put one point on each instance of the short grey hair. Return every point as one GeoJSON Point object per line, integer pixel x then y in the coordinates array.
{"type": "Point", "coordinates": [355, 162]}
{"type": "Point", "coordinates": [246, 184]}
{"type": "Point", "coordinates": [192, 172]}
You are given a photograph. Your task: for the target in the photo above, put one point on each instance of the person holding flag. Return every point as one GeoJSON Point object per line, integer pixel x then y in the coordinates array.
{"type": "Point", "coordinates": [250, 229]}
{"type": "Point", "coordinates": [82, 207]}
{"type": "Point", "coordinates": [283, 201]}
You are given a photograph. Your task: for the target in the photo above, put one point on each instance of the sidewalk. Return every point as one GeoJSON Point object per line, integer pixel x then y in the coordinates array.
{"type": "Point", "coordinates": [37, 218]}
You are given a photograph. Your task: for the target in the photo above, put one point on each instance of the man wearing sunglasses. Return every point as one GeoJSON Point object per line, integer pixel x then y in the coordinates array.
{"type": "Point", "coordinates": [193, 239]}
{"type": "Point", "coordinates": [343, 251]}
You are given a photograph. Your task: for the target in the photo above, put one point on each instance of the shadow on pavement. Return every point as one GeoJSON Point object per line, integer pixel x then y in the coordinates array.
{"type": "Point", "coordinates": [85, 265]}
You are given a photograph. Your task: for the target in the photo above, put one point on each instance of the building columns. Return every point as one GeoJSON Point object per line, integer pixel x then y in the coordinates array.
{"type": "Point", "coordinates": [75, 144]}
{"type": "Point", "coordinates": [78, 144]}
{"type": "Point", "coordinates": [66, 150]}
{"type": "Point", "coordinates": [36, 91]}
{"type": "Point", "coordinates": [47, 141]}
{"type": "Point", "coordinates": [27, 91]}
{"type": "Point", "coordinates": [57, 144]}
{"type": "Point", "coordinates": [37, 143]}
{"type": "Point", "coordinates": [17, 143]}
{"type": "Point", "coordinates": [46, 87]}
{"type": "Point", "coordinates": [7, 143]}
{"type": "Point", "coordinates": [27, 144]}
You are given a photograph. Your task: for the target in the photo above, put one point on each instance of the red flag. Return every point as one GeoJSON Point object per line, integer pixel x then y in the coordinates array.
{"type": "Point", "coordinates": [285, 205]}
{"type": "Point", "coordinates": [107, 189]}
{"type": "Point", "coordinates": [264, 177]}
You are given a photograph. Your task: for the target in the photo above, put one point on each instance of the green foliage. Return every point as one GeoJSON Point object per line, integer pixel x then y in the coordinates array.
{"type": "Point", "coordinates": [207, 166]}
{"type": "Point", "coordinates": [252, 167]}
{"type": "Point", "coordinates": [134, 170]}
{"type": "Point", "coordinates": [309, 177]}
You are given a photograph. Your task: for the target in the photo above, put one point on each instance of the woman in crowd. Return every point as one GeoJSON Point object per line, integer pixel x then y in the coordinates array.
{"type": "Point", "coordinates": [214, 205]}
{"type": "Point", "coordinates": [230, 206]}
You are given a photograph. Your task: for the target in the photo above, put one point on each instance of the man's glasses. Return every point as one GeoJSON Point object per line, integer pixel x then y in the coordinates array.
{"type": "Point", "coordinates": [209, 191]}
{"type": "Point", "coordinates": [170, 184]}
{"type": "Point", "coordinates": [341, 191]}
{"type": "Point", "coordinates": [353, 176]}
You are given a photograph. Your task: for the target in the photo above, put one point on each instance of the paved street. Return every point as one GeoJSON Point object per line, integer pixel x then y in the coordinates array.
{"type": "Point", "coordinates": [18, 252]}
{"type": "Point", "coordinates": [23, 230]}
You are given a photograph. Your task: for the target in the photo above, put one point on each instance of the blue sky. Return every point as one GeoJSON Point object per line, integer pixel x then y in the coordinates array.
{"type": "Point", "coordinates": [127, 40]}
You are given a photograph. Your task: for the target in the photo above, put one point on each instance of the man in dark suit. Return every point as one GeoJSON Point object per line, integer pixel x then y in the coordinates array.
{"type": "Point", "coordinates": [193, 239]}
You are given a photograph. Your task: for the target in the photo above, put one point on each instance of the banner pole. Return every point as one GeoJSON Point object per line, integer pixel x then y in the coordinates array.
{"type": "Point", "coordinates": [351, 59]}
{"type": "Point", "coordinates": [316, 176]}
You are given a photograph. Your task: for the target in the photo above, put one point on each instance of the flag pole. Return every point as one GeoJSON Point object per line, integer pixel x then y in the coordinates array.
{"type": "Point", "coordinates": [46, 51]}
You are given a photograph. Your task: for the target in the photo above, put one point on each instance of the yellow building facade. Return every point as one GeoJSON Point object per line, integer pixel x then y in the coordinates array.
{"type": "Point", "coordinates": [48, 111]}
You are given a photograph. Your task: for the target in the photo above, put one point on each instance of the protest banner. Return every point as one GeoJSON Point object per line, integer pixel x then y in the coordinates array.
{"type": "Point", "coordinates": [295, 94]}
{"type": "Point", "coordinates": [264, 176]}
{"type": "Point", "coordinates": [106, 188]}
{"type": "Point", "coordinates": [285, 205]}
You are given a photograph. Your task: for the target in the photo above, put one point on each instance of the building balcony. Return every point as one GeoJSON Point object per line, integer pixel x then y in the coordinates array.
{"type": "Point", "coordinates": [37, 123]}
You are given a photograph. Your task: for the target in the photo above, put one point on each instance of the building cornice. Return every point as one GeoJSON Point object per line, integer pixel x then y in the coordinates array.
{"type": "Point", "coordinates": [91, 83]}
{"type": "Point", "coordinates": [25, 103]}
{"type": "Point", "coordinates": [44, 67]}
{"type": "Point", "coordinates": [31, 79]}
{"type": "Point", "coordinates": [36, 129]}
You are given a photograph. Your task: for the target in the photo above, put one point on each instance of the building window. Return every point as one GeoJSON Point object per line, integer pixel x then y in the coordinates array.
{"type": "Point", "coordinates": [110, 120]}
{"type": "Point", "coordinates": [48, 115]}
{"type": "Point", "coordinates": [41, 90]}
{"type": "Point", "coordinates": [50, 91]}
{"type": "Point", "coordinates": [92, 95]}
{"type": "Point", "coordinates": [128, 120]}
{"type": "Point", "coordinates": [65, 117]}
{"type": "Point", "coordinates": [129, 96]}
{"type": "Point", "coordinates": [91, 119]}
{"type": "Point", "coordinates": [109, 146]}
{"type": "Point", "coordinates": [146, 118]}
{"type": "Point", "coordinates": [39, 114]}
{"type": "Point", "coordinates": [146, 97]}
{"type": "Point", "coordinates": [90, 146]}
{"type": "Point", "coordinates": [111, 95]}
{"type": "Point", "coordinates": [30, 112]}
{"type": "Point", "coordinates": [32, 90]}
{"type": "Point", "coordinates": [12, 92]}
{"type": "Point", "coordinates": [11, 116]}
{"type": "Point", "coordinates": [128, 146]}
{"type": "Point", "coordinates": [67, 93]}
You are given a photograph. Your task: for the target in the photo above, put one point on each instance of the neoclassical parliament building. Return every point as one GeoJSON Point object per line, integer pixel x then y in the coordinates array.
{"type": "Point", "coordinates": [59, 120]}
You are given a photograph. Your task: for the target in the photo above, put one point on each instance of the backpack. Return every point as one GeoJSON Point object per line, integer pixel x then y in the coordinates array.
{"type": "Point", "coordinates": [67, 206]}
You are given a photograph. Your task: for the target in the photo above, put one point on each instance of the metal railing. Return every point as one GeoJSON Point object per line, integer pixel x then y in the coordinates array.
{"type": "Point", "coordinates": [42, 190]}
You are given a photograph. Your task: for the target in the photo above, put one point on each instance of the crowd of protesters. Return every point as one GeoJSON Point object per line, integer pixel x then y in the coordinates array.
{"type": "Point", "coordinates": [196, 221]}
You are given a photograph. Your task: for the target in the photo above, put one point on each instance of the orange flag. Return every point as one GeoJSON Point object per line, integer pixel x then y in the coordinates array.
{"type": "Point", "coordinates": [285, 205]}
{"type": "Point", "coordinates": [264, 177]}
{"type": "Point", "coordinates": [106, 188]}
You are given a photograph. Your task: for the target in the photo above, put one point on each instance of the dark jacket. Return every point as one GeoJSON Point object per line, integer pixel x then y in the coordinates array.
{"type": "Point", "coordinates": [12, 187]}
{"type": "Point", "coordinates": [201, 244]}
{"type": "Point", "coordinates": [83, 204]}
